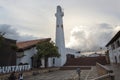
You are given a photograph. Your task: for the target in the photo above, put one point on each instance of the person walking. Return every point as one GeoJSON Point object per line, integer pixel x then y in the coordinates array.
{"type": "Point", "coordinates": [20, 76]}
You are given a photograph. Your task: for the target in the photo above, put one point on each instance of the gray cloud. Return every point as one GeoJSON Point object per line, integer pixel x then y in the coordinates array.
{"type": "Point", "coordinates": [12, 33]}
{"type": "Point", "coordinates": [37, 18]}
{"type": "Point", "coordinates": [94, 38]}
{"type": "Point", "coordinates": [104, 26]}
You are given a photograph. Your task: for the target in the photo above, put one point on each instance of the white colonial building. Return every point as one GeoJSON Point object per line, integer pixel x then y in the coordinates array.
{"type": "Point", "coordinates": [114, 48]}
{"type": "Point", "coordinates": [26, 51]}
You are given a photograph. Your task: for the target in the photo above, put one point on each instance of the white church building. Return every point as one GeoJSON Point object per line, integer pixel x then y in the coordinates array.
{"type": "Point", "coordinates": [26, 51]}
{"type": "Point", "coordinates": [114, 49]}
{"type": "Point", "coordinates": [28, 48]}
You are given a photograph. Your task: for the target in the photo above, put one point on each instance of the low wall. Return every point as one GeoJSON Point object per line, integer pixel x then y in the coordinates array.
{"type": "Point", "coordinates": [104, 73]}
{"type": "Point", "coordinates": [75, 67]}
{"type": "Point", "coordinates": [109, 76]}
{"type": "Point", "coordinates": [102, 69]}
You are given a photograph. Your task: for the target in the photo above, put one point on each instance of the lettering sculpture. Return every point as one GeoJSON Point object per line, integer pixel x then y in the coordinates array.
{"type": "Point", "coordinates": [8, 69]}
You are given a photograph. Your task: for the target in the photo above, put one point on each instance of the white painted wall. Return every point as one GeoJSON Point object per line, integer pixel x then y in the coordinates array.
{"type": "Point", "coordinates": [114, 52]}
{"type": "Point", "coordinates": [27, 58]}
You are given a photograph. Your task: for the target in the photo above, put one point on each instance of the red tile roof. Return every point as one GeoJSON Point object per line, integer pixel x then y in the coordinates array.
{"type": "Point", "coordinates": [28, 44]}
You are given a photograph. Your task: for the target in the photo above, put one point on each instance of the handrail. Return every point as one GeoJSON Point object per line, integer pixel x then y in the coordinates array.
{"type": "Point", "coordinates": [106, 68]}
{"type": "Point", "coordinates": [109, 75]}
{"type": "Point", "coordinates": [106, 74]}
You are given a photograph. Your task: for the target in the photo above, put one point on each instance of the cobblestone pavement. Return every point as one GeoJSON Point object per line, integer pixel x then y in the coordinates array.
{"type": "Point", "coordinates": [65, 75]}
{"type": "Point", "coordinates": [59, 75]}
{"type": "Point", "coordinates": [56, 75]}
{"type": "Point", "coordinates": [84, 74]}
{"type": "Point", "coordinates": [92, 73]}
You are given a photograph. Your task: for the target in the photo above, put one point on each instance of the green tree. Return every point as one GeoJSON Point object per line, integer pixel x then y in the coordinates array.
{"type": "Point", "coordinates": [46, 50]}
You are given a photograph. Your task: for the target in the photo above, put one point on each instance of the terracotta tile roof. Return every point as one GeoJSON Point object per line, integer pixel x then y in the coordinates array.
{"type": "Point", "coordinates": [28, 44]}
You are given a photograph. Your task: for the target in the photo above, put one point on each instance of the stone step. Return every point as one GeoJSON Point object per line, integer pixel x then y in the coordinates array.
{"type": "Point", "coordinates": [75, 67]}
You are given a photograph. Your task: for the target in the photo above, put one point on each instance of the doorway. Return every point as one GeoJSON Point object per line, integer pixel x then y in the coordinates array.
{"type": "Point", "coordinates": [115, 60]}
{"type": "Point", "coordinates": [119, 58]}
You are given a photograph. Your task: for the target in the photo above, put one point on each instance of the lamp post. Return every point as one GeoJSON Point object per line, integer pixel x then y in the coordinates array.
{"type": "Point", "coordinates": [78, 72]}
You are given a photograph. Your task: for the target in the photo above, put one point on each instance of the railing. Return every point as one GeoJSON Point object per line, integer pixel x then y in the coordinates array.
{"type": "Point", "coordinates": [103, 69]}
{"type": "Point", "coordinates": [109, 76]}
{"type": "Point", "coordinates": [104, 73]}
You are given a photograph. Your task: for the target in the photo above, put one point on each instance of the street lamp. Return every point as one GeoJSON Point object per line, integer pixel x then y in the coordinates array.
{"type": "Point", "coordinates": [78, 72]}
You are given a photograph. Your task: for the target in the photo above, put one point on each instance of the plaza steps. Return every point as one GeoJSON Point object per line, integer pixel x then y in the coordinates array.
{"type": "Point", "coordinates": [86, 61]}
{"type": "Point", "coordinates": [75, 67]}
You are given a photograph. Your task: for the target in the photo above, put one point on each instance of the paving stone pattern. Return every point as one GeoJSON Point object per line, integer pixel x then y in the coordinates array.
{"type": "Point", "coordinates": [56, 75]}
{"type": "Point", "coordinates": [65, 75]}
{"type": "Point", "coordinates": [60, 75]}
{"type": "Point", "coordinates": [84, 74]}
{"type": "Point", "coordinates": [92, 74]}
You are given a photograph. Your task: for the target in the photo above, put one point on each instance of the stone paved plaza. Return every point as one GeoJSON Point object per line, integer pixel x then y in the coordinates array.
{"type": "Point", "coordinates": [92, 74]}
{"type": "Point", "coordinates": [65, 75]}
{"type": "Point", "coordinates": [56, 75]}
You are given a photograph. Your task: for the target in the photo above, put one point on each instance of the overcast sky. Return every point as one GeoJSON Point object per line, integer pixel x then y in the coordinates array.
{"type": "Point", "coordinates": [88, 24]}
